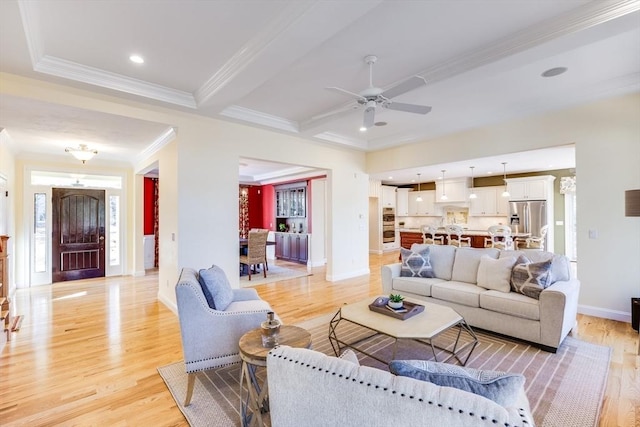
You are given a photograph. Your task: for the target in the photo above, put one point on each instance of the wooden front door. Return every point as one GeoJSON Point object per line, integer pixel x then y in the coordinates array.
{"type": "Point", "coordinates": [78, 234]}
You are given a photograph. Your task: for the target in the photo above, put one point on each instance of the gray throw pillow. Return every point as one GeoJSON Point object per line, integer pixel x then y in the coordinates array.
{"type": "Point", "coordinates": [501, 387]}
{"type": "Point", "coordinates": [216, 287]}
{"type": "Point", "coordinates": [531, 278]}
{"type": "Point", "coordinates": [416, 264]}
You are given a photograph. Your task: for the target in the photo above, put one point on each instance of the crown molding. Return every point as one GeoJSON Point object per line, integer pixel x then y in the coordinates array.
{"type": "Point", "coordinates": [259, 118]}
{"type": "Point", "coordinates": [247, 53]}
{"type": "Point", "coordinates": [590, 15]}
{"type": "Point", "coordinates": [342, 140]}
{"type": "Point", "coordinates": [58, 67]}
{"type": "Point", "coordinates": [94, 76]}
{"type": "Point", "coordinates": [160, 142]}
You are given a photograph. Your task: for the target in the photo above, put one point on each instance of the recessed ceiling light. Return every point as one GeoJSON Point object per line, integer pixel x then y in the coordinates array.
{"type": "Point", "coordinates": [390, 177]}
{"type": "Point", "coordinates": [137, 59]}
{"type": "Point", "coordinates": [363, 129]}
{"type": "Point", "coordinates": [552, 72]}
{"type": "Point", "coordinates": [380, 123]}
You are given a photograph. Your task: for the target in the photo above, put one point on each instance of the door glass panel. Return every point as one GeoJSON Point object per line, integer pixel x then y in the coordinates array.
{"type": "Point", "coordinates": [39, 232]}
{"type": "Point", "coordinates": [114, 230]}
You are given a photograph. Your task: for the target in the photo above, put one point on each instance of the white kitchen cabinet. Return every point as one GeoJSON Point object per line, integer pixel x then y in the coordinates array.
{"type": "Point", "coordinates": [402, 202]}
{"type": "Point", "coordinates": [530, 188]}
{"type": "Point", "coordinates": [457, 190]}
{"type": "Point", "coordinates": [388, 196]}
{"type": "Point", "coordinates": [427, 207]}
{"type": "Point", "coordinates": [489, 202]}
{"type": "Point", "coordinates": [485, 202]}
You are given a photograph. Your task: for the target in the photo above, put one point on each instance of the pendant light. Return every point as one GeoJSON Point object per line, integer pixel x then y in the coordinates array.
{"type": "Point", "coordinates": [419, 198]}
{"type": "Point", "coordinates": [505, 193]}
{"type": "Point", "coordinates": [473, 194]}
{"type": "Point", "coordinates": [444, 194]}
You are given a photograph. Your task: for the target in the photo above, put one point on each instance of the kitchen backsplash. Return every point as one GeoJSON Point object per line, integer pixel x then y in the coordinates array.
{"type": "Point", "coordinates": [473, 222]}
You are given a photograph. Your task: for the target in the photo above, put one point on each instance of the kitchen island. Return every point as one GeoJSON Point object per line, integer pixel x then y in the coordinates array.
{"type": "Point", "coordinates": [409, 236]}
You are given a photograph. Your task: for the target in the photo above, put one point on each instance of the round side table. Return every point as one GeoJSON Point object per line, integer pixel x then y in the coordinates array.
{"type": "Point", "coordinates": [254, 398]}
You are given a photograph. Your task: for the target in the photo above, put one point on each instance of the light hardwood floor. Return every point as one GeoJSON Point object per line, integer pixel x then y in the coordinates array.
{"type": "Point", "coordinates": [88, 350]}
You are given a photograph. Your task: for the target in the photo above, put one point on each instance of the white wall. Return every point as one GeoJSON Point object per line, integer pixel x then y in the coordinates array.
{"type": "Point", "coordinates": [607, 139]}
{"type": "Point", "coordinates": [317, 249]}
{"type": "Point", "coordinates": [8, 172]}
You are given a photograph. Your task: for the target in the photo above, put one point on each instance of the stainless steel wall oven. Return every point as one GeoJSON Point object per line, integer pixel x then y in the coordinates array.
{"type": "Point", "coordinates": [388, 225]}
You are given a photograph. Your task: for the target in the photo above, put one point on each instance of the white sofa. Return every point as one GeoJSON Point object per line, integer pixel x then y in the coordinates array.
{"type": "Point", "coordinates": [308, 388]}
{"type": "Point", "coordinates": [545, 321]}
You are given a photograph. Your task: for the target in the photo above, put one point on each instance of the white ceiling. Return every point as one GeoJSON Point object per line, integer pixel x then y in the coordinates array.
{"type": "Point", "coordinates": [268, 64]}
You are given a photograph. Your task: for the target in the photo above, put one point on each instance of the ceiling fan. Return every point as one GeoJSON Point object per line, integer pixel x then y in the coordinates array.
{"type": "Point", "coordinates": [373, 97]}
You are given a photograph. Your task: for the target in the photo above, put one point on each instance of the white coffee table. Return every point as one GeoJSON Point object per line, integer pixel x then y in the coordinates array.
{"type": "Point", "coordinates": [423, 328]}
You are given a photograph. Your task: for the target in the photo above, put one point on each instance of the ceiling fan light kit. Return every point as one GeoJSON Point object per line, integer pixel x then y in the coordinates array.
{"type": "Point", "coordinates": [373, 97]}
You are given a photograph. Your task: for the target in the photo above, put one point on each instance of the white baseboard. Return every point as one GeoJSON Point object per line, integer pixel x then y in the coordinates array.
{"type": "Point", "coordinates": [170, 304]}
{"type": "Point", "coordinates": [334, 278]}
{"type": "Point", "coordinates": [621, 316]}
{"type": "Point", "coordinates": [138, 273]}
{"type": "Point", "coordinates": [317, 263]}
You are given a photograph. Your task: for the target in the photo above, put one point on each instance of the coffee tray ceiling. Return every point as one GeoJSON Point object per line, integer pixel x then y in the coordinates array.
{"type": "Point", "coordinates": [268, 64]}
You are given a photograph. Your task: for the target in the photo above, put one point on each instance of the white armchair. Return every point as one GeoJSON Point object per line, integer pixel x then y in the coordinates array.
{"type": "Point", "coordinates": [209, 336]}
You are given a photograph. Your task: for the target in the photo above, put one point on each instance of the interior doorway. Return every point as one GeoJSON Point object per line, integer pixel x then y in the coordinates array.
{"type": "Point", "coordinates": [78, 234]}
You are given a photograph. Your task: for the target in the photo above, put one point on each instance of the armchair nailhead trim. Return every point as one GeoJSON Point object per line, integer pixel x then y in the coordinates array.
{"type": "Point", "coordinates": [430, 402]}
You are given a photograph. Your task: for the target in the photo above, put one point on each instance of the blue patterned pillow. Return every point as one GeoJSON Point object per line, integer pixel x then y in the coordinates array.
{"type": "Point", "coordinates": [416, 264]}
{"type": "Point", "coordinates": [531, 278]}
{"type": "Point", "coordinates": [501, 387]}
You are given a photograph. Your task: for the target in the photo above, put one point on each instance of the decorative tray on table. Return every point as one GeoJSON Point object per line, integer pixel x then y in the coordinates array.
{"type": "Point", "coordinates": [408, 309]}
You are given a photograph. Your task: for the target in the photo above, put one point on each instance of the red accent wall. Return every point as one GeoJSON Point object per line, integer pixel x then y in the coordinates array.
{"type": "Point", "coordinates": [256, 199]}
{"type": "Point", "coordinates": [149, 197]}
{"type": "Point", "coordinates": [268, 207]}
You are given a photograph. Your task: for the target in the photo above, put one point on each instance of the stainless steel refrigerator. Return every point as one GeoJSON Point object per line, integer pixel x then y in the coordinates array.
{"type": "Point", "coordinates": [528, 217]}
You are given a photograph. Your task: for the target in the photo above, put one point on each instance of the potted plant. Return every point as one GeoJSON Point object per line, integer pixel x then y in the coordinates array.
{"type": "Point", "coordinates": [395, 301]}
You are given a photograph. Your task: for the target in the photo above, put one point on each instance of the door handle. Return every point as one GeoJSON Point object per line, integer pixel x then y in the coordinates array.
{"type": "Point", "coordinates": [101, 237]}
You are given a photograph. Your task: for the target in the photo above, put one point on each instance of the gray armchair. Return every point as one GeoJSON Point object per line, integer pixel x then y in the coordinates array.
{"type": "Point", "coordinates": [209, 336]}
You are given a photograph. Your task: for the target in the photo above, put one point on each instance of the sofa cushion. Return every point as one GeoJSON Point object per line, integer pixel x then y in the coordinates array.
{"type": "Point", "coordinates": [501, 387]}
{"type": "Point", "coordinates": [560, 264]}
{"type": "Point", "coordinates": [216, 287]}
{"type": "Point", "coordinates": [511, 303]}
{"type": "Point", "coordinates": [530, 278]}
{"type": "Point", "coordinates": [416, 263]}
{"type": "Point", "coordinates": [467, 261]}
{"type": "Point", "coordinates": [458, 292]}
{"type": "Point", "coordinates": [441, 257]}
{"type": "Point", "coordinates": [495, 273]}
{"type": "Point", "coordinates": [414, 285]}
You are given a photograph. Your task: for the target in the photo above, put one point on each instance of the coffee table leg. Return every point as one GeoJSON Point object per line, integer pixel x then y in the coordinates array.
{"type": "Point", "coordinates": [333, 338]}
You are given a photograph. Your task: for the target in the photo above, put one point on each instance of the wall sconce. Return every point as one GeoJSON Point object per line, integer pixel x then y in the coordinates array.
{"type": "Point", "coordinates": [82, 153]}
{"type": "Point", "coordinates": [632, 203]}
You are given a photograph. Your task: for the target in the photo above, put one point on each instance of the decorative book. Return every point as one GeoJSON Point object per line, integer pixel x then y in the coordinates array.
{"type": "Point", "coordinates": [409, 309]}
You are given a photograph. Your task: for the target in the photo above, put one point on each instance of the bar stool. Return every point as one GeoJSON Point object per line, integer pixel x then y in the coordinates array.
{"type": "Point", "coordinates": [454, 236]}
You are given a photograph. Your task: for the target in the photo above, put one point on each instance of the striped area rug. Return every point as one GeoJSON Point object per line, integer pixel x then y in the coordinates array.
{"type": "Point", "coordinates": [564, 389]}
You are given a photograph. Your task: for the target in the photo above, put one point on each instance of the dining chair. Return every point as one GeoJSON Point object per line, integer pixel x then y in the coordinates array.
{"type": "Point", "coordinates": [454, 236]}
{"type": "Point", "coordinates": [537, 242]}
{"type": "Point", "coordinates": [499, 237]}
{"type": "Point", "coordinates": [429, 235]}
{"type": "Point", "coordinates": [256, 251]}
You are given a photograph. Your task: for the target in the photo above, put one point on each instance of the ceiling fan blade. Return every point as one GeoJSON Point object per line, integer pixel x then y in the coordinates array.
{"type": "Point", "coordinates": [405, 86]}
{"type": "Point", "coordinates": [369, 115]}
{"type": "Point", "coordinates": [409, 108]}
{"type": "Point", "coordinates": [344, 91]}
